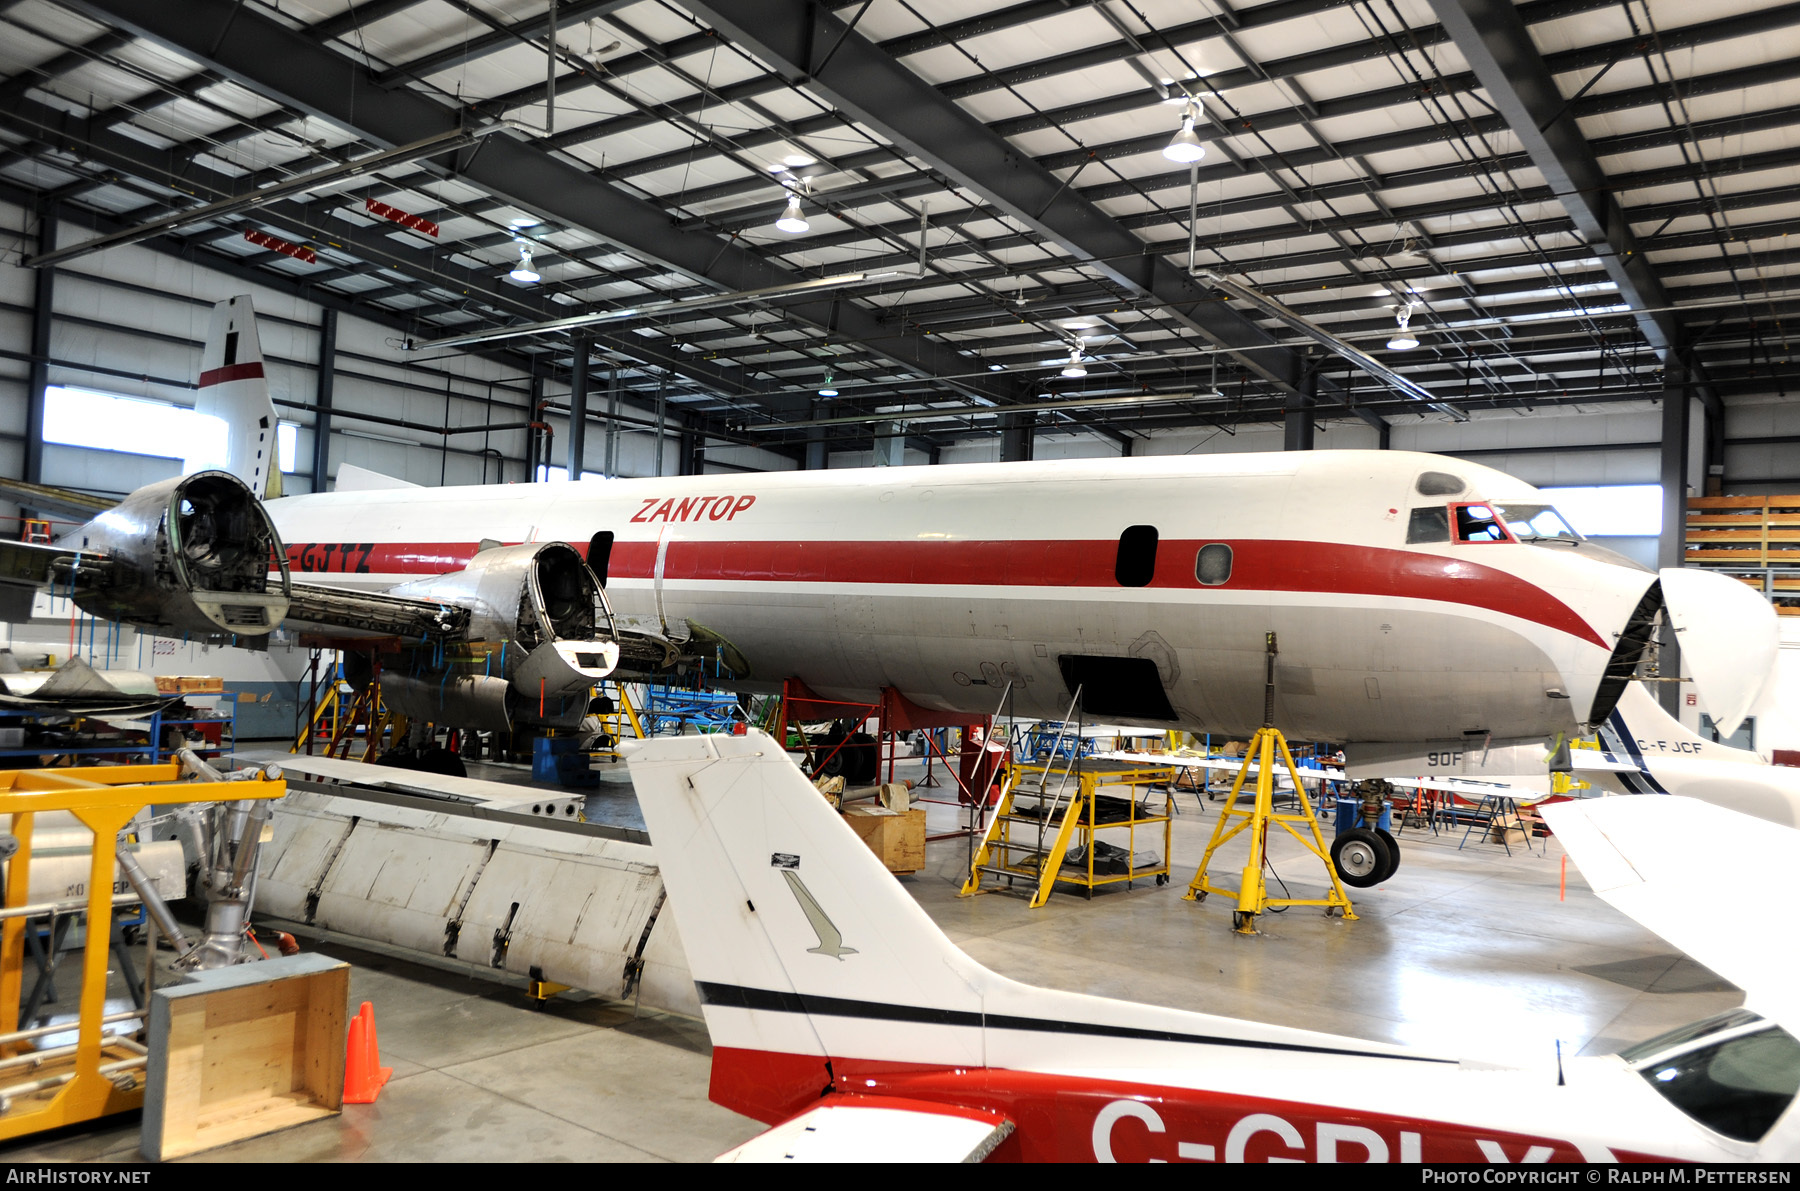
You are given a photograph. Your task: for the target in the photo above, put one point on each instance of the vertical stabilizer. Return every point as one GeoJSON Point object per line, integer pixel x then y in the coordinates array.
{"type": "Point", "coordinates": [802, 946]}
{"type": "Point", "coordinates": [1639, 729]}
{"type": "Point", "coordinates": [234, 388]}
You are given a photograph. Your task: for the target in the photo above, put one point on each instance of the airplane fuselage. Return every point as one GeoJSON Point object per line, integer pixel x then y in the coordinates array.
{"type": "Point", "coordinates": [956, 585]}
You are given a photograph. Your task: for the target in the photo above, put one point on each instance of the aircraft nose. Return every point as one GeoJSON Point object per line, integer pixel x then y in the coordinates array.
{"type": "Point", "coordinates": [1729, 639]}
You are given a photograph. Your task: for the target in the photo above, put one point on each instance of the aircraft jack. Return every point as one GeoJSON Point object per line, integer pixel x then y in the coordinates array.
{"type": "Point", "coordinates": [1252, 895]}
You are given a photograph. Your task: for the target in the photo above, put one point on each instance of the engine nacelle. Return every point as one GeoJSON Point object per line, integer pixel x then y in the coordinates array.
{"type": "Point", "coordinates": [540, 635]}
{"type": "Point", "coordinates": [194, 554]}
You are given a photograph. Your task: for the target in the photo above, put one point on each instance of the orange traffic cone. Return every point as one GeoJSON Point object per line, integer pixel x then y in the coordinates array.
{"type": "Point", "coordinates": [363, 1073]}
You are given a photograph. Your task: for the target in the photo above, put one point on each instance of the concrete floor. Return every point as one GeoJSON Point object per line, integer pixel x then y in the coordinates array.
{"type": "Point", "coordinates": [1467, 952]}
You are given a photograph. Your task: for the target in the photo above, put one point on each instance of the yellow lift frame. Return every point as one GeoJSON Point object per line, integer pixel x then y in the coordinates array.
{"type": "Point", "coordinates": [100, 1078]}
{"type": "Point", "coordinates": [1252, 894]}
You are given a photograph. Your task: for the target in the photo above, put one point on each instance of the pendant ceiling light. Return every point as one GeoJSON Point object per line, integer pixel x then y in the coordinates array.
{"type": "Point", "coordinates": [792, 221]}
{"type": "Point", "coordinates": [523, 270]}
{"type": "Point", "coordinates": [1404, 339]}
{"type": "Point", "coordinates": [1186, 147]}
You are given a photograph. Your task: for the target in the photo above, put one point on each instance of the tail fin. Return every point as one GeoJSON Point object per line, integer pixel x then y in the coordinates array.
{"type": "Point", "coordinates": [802, 945]}
{"type": "Point", "coordinates": [233, 388]}
{"type": "Point", "coordinates": [1640, 730]}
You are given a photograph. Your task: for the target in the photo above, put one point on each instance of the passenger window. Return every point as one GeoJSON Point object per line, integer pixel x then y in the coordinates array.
{"type": "Point", "coordinates": [1136, 564]}
{"type": "Point", "coordinates": [1213, 566]}
{"type": "Point", "coordinates": [1477, 523]}
{"type": "Point", "coordinates": [1428, 525]}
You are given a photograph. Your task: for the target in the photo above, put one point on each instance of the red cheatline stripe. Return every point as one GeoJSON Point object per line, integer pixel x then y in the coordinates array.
{"type": "Point", "coordinates": [231, 372]}
{"type": "Point", "coordinates": [1256, 566]}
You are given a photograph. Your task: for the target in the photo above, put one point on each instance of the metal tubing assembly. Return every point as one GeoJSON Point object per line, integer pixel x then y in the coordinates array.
{"type": "Point", "coordinates": [99, 1075]}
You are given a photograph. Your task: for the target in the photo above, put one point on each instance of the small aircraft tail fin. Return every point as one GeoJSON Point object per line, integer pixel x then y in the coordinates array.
{"type": "Point", "coordinates": [1639, 730]}
{"type": "Point", "coordinates": [234, 388]}
{"type": "Point", "coordinates": [801, 944]}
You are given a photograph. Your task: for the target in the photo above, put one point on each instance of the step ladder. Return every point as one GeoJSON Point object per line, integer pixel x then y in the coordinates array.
{"type": "Point", "coordinates": [1028, 847]}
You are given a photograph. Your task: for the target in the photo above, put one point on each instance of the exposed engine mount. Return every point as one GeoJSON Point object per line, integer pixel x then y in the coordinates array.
{"type": "Point", "coordinates": [194, 554]}
{"type": "Point", "coordinates": [539, 635]}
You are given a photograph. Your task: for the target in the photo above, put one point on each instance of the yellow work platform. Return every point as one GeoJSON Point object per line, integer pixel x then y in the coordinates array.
{"type": "Point", "coordinates": [1045, 811]}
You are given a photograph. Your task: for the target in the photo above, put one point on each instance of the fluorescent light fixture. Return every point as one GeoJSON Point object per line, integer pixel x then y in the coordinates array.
{"type": "Point", "coordinates": [523, 272]}
{"type": "Point", "coordinates": [943, 413]}
{"type": "Point", "coordinates": [1186, 148]}
{"type": "Point", "coordinates": [791, 221]}
{"type": "Point", "coordinates": [673, 306]}
{"type": "Point", "coordinates": [1313, 331]}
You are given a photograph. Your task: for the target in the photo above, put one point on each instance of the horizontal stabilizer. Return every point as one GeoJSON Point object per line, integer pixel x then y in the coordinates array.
{"type": "Point", "coordinates": [1650, 859]}
{"type": "Point", "coordinates": [878, 1129]}
{"type": "Point", "coordinates": [351, 478]}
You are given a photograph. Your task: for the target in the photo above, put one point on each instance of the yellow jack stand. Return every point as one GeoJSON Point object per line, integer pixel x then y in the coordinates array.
{"type": "Point", "coordinates": [1252, 895]}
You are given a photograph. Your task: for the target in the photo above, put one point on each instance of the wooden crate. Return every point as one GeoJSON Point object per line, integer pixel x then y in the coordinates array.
{"type": "Point", "coordinates": [244, 1051]}
{"type": "Point", "coordinates": [898, 839]}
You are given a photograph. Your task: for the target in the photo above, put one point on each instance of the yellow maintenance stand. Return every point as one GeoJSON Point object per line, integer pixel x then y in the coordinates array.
{"type": "Point", "coordinates": [1252, 895]}
{"type": "Point", "coordinates": [101, 1073]}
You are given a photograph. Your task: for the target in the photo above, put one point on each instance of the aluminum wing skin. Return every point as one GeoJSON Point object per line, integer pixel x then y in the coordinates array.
{"type": "Point", "coordinates": [1649, 858]}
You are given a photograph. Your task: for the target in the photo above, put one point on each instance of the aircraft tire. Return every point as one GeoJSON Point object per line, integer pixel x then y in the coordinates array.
{"type": "Point", "coordinates": [1393, 853]}
{"type": "Point", "coordinates": [1360, 857]}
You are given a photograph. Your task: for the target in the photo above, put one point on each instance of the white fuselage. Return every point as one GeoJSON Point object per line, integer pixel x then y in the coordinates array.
{"type": "Point", "coordinates": [953, 584]}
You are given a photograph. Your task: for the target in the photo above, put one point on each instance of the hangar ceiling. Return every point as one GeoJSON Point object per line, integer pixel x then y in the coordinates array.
{"type": "Point", "coordinates": [984, 189]}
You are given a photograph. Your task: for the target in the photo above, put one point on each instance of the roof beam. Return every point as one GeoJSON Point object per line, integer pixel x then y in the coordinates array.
{"type": "Point", "coordinates": [290, 67]}
{"type": "Point", "coordinates": [1498, 47]}
{"type": "Point", "coordinates": [811, 47]}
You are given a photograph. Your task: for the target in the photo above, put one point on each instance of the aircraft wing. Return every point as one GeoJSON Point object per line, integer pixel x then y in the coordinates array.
{"type": "Point", "coordinates": [878, 1129]}
{"type": "Point", "coordinates": [317, 608]}
{"type": "Point", "coordinates": [47, 499]}
{"type": "Point", "coordinates": [25, 568]}
{"type": "Point", "coordinates": [1650, 858]}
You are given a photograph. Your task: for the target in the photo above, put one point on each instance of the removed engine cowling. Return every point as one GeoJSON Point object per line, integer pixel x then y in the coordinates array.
{"type": "Point", "coordinates": [194, 554]}
{"type": "Point", "coordinates": [540, 634]}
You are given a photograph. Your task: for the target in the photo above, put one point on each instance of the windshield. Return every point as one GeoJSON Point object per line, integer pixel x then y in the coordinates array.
{"type": "Point", "coordinates": [1735, 1073]}
{"type": "Point", "coordinates": [1532, 523]}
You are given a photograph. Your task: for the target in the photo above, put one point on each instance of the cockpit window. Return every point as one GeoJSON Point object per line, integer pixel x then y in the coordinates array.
{"type": "Point", "coordinates": [1438, 483]}
{"type": "Point", "coordinates": [1428, 525]}
{"type": "Point", "coordinates": [1477, 523]}
{"type": "Point", "coordinates": [1533, 523]}
{"type": "Point", "coordinates": [1736, 1078]}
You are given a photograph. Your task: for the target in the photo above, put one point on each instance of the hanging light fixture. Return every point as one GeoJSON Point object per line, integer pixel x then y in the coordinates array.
{"type": "Point", "coordinates": [1186, 147]}
{"type": "Point", "coordinates": [1074, 368]}
{"type": "Point", "coordinates": [792, 221]}
{"type": "Point", "coordinates": [828, 389]}
{"type": "Point", "coordinates": [1404, 339]}
{"type": "Point", "coordinates": [523, 271]}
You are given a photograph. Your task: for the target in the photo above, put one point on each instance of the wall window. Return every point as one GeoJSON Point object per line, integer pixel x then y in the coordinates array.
{"type": "Point", "coordinates": [138, 426]}
{"type": "Point", "coordinates": [1610, 510]}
